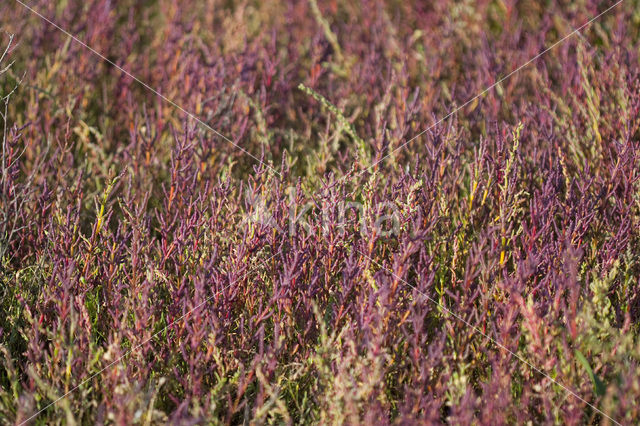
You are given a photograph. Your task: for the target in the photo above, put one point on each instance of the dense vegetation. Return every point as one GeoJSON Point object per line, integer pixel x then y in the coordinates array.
{"type": "Point", "coordinates": [315, 267]}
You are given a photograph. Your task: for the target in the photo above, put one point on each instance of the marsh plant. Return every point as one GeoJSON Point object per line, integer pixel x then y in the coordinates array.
{"type": "Point", "coordinates": [353, 252]}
